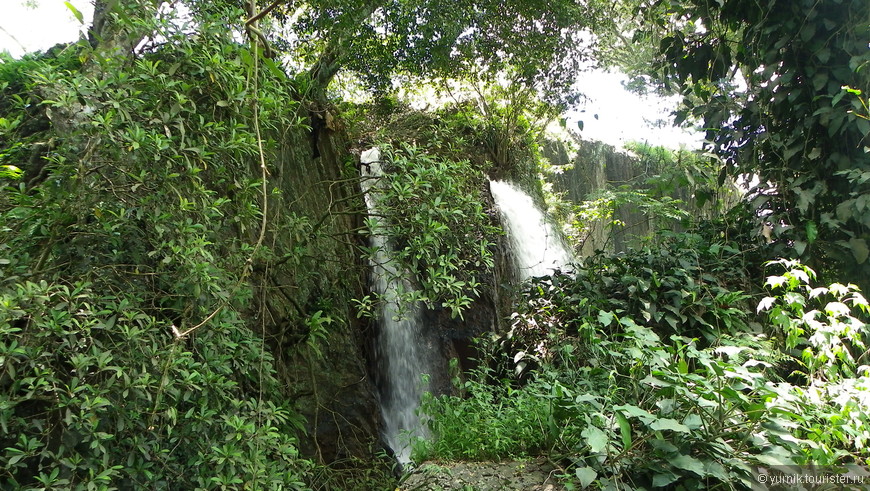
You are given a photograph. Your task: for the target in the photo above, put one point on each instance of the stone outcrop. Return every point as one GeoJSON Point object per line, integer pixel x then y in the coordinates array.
{"type": "Point", "coordinates": [305, 296]}
{"type": "Point", "coordinates": [595, 167]}
{"type": "Point", "coordinates": [598, 166]}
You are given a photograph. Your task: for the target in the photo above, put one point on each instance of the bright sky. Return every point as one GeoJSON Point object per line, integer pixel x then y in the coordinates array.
{"type": "Point", "coordinates": [37, 25]}
{"type": "Point", "coordinates": [625, 116]}
{"type": "Point", "coordinates": [33, 25]}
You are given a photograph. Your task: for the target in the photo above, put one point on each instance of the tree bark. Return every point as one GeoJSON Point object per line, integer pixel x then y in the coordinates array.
{"type": "Point", "coordinates": [115, 38]}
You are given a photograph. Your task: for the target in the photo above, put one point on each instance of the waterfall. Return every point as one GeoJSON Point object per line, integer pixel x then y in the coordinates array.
{"type": "Point", "coordinates": [401, 353]}
{"type": "Point", "coordinates": [536, 248]}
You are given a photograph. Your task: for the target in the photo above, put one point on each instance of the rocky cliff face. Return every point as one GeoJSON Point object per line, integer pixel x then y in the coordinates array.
{"type": "Point", "coordinates": [305, 295]}
{"type": "Point", "coordinates": [597, 167]}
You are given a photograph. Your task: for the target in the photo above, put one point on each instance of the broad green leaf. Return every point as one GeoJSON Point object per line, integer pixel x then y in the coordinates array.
{"type": "Point", "coordinates": [683, 367]}
{"type": "Point", "coordinates": [78, 15]}
{"type": "Point", "coordinates": [859, 250]}
{"type": "Point", "coordinates": [586, 475]}
{"type": "Point", "coordinates": [775, 458]}
{"type": "Point", "coordinates": [585, 398]}
{"type": "Point", "coordinates": [636, 412]}
{"type": "Point", "coordinates": [663, 479]}
{"type": "Point", "coordinates": [624, 429]}
{"type": "Point", "coordinates": [717, 470]}
{"type": "Point", "coordinates": [799, 247]}
{"type": "Point", "coordinates": [669, 424]}
{"type": "Point", "coordinates": [655, 381]}
{"type": "Point", "coordinates": [663, 446]}
{"type": "Point", "coordinates": [595, 438]}
{"type": "Point", "coordinates": [689, 463]}
{"type": "Point", "coordinates": [605, 318]}
{"type": "Point", "coordinates": [693, 421]}
{"type": "Point", "coordinates": [819, 80]}
{"type": "Point", "coordinates": [812, 232]}
{"type": "Point", "coordinates": [844, 210]}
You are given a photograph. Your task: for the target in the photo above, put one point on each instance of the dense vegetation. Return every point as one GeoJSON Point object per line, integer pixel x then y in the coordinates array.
{"type": "Point", "coordinates": [800, 125]}
{"type": "Point", "coordinates": [146, 225]}
{"type": "Point", "coordinates": [652, 368]}
{"type": "Point", "coordinates": [133, 223]}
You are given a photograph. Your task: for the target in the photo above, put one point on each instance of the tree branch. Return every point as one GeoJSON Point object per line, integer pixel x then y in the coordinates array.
{"type": "Point", "coordinates": [263, 12]}
{"type": "Point", "coordinates": [330, 61]}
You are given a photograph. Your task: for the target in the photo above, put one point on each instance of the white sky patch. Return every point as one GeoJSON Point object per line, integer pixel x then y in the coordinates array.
{"type": "Point", "coordinates": [25, 29]}
{"type": "Point", "coordinates": [624, 116]}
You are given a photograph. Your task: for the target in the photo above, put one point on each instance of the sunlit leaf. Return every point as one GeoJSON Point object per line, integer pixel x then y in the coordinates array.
{"type": "Point", "coordinates": [595, 438]}
{"type": "Point", "coordinates": [78, 15]}
{"type": "Point", "coordinates": [586, 475]}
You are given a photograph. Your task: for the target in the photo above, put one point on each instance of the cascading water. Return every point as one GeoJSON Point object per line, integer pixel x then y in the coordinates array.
{"type": "Point", "coordinates": [536, 248]}
{"type": "Point", "coordinates": [401, 354]}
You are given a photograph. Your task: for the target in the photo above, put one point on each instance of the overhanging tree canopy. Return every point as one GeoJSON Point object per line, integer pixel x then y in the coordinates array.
{"type": "Point", "coordinates": [801, 123]}
{"type": "Point", "coordinates": [542, 44]}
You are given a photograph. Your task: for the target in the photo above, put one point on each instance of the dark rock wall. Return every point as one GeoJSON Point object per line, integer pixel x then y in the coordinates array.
{"type": "Point", "coordinates": [315, 275]}
{"type": "Point", "coordinates": [597, 166]}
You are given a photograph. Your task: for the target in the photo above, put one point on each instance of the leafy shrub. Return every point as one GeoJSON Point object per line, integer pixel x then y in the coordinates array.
{"type": "Point", "coordinates": [594, 378]}
{"type": "Point", "coordinates": [494, 421]}
{"type": "Point", "coordinates": [830, 335]}
{"type": "Point", "coordinates": [434, 217]}
{"type": "Point", "coordinates": [97, 394]}
{"type": "Point", "coordinates": [689, 285]}
{"type": "Point", "coordinates": [134, 226]}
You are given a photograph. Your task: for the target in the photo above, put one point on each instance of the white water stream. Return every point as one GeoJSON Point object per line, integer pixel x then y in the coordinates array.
{"type": "Point", "coordinates": [401, 351]}
{"type": "Point", "coordinates": [536, 248]}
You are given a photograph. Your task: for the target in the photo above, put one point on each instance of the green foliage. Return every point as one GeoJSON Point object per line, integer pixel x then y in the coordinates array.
{"type": "Point", "coordinates": [491, 422]}
{"type": "Point", "coordinates": [433, 215]}
{"type": "Point", "coordinates": [124, 251]}
{"type": "Point", "coordinates": [536, 43]}
{"type": "Point", "coordinates": [95, 393]}
{"type": "Point", "coordinates": [799, 125]}
{"type": "Point", "coordinates": [830, 335]}
{"type": "Point", "coordinates": [688, 285]}
{"type": "Point", "coordinates": [506, 120]}
{"type": "Point", "coordinates": [595, 376]}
